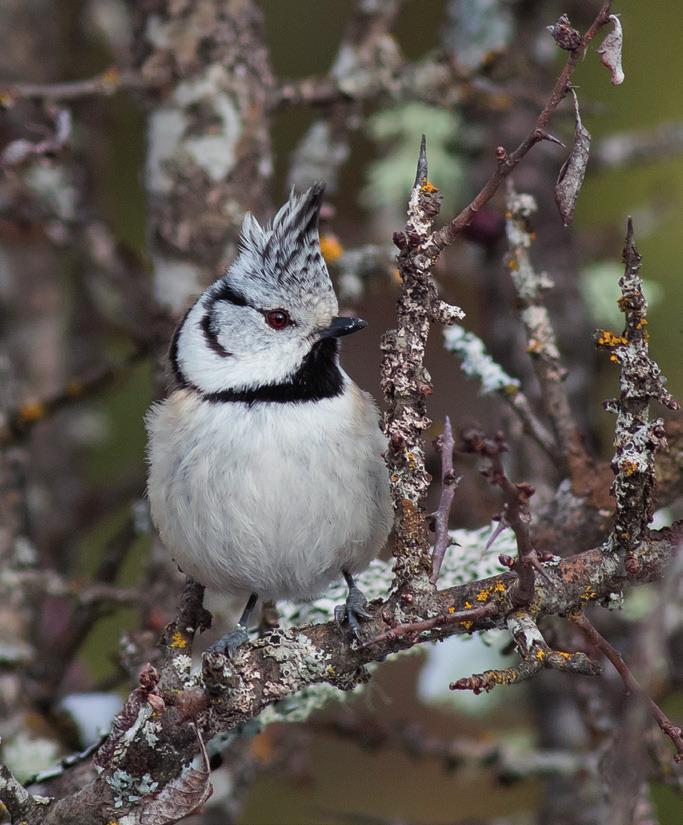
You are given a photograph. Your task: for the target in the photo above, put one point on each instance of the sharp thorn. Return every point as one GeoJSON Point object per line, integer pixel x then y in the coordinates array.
{"type": "Point", "coordinates": [422, 167]}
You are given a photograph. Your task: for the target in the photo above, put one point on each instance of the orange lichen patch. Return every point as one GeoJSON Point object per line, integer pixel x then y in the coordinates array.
{"type": "Point", "coordinates": [534, 345]}
{"type": "Point", "coordinates": [467, 625]}
{"type": "Point", "coordinates": [331, 248]}
{"type": "Point", "coordinates": [607, 338]}
{"type": "Point", "coordinates": [512, 264]}
{"type": "Point", "coordinates": [178, 641]}
{"type": "Point", "coordinates": [588, 594]}
{"type": "Point", "coordinates": [613, 358]}
{"type": "Point", "coordinates": [262, 747]}
{"type": "Point", "coordinates": [468, 605]}
{"type": "Point", "coordinates": [428, 186]}
{"type": "Point", "coordinates": [641, 323]}
{"type": "Point", "coordinates": [33, 411]}
{"type": "Point", "coordinates": [540, 654]}
{"type": "Point", "coordinates": [499, 587]}
{"type": "Point", "coordinates": [451, 610]}
{"type": "Point", "coordinates": [628, 467]}
{"type": "Point", "coordinates": [111, 78]}
{"type": "Point", "coordinates": [483, 595]}
{"type": "Point", "coordinates": [564, 654]}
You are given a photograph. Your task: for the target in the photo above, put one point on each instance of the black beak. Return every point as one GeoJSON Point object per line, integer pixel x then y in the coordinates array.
{"type": "Point", "coordinates": [343, 326]}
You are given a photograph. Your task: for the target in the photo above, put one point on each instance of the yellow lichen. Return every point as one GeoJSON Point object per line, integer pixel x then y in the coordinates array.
{"type": "Point", "coordinates": [451, 610]}
{"type": "Point", "coordinates": [331, 248]}
{"type": "Point", "coordinates": [33, 411]}
{"type": "Point", "coordinates": [564, 654]}
{"type": "Point", "coordinates": [178, 641]}
{"type": "Point", "coordinates": [466, 624]}
{"type": "Point", "coordinates": [512, 264]}
{"type": "Point", "coordinates": [499, 587]}
{"type": "Point", "coordinates": [540, 654]}
{"type": "Point", "coordinates": [607, 338]}
{"type": "Point", "coordinates": [468, 605]}
{"type": "Point", "coordinates": [428, 186]}
{"type": "Point", "coordinates": [628, 467]}
{"type": "Point", "coordinates": [483, 595]}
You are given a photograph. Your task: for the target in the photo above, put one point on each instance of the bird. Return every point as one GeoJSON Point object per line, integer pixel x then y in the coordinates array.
{"type": "Point", "coordinates": [265, 471]}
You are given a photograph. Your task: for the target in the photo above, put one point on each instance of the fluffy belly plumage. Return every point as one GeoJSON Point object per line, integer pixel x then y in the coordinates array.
{"type": "Point", "coordinates": [271, 500]}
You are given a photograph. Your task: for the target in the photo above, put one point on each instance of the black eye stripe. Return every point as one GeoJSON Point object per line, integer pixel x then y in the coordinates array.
{"type": "Point", "coordinates": [226, 293]}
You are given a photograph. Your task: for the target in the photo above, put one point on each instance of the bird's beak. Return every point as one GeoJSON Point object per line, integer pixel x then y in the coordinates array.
{"type": "Point", "coordinates": [343, 326]}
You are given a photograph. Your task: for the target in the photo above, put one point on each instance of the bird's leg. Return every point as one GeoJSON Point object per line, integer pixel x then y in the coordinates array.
{"type": "Point", "coordinates": [354, 609]}
{"type": "Point", "coordinates": [229, 643]}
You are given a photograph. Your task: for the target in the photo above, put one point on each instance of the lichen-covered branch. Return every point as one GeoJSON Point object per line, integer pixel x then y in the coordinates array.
{"type": "Point", "coordinates": [477, 363]}
{"type": "Point", "coordinates": [405, 381]}
{"type": "Point", "coordinates": [541, 342]}
{"type": "Point", "coordinates": [637, 439]}
{"type": "Point", "coordinates": [535, 654]}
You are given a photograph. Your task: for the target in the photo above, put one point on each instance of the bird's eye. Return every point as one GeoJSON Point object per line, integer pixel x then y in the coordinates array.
{"type": "Point", "coordinates": [277, 318]}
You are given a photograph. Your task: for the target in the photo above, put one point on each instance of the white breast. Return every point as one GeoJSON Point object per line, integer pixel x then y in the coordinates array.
{"type": "Point", "coordinates": [274, 499]}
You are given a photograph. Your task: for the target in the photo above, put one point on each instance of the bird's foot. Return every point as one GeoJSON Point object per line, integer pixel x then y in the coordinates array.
{"type": "Point", "coordinates": [353, 611]}
{"type": "Point", "coordinates": [227, 645]}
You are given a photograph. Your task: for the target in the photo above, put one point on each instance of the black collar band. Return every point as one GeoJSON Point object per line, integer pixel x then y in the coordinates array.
{"type": "Point", "coordinates": [318, 377]}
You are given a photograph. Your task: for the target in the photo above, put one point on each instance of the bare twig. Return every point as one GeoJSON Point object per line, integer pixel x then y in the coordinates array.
{"type": "Point", "coordinates": [449, 481]}
{"type": "Point", "coordinates": [17, 424]}
{"type": "Point", "coordinates": [630, 682]}
{"type": "Point", "coordinates": [107, 82]}
{"type": "Point", "coordinates": [508, 162]}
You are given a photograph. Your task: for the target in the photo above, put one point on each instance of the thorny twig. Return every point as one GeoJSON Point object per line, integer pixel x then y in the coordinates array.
{"type": "Point", "coordinates": [600, 643]}
{"type": "Point", "coordinates": [516, 513]}
{"type": "Point", "coordinates": [410, 630]}
{"type": "Point", "coordinates": [449, 481]}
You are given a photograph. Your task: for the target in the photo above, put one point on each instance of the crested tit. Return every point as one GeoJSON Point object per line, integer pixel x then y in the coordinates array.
{"type": "Point", "coordinates": [265, 470]}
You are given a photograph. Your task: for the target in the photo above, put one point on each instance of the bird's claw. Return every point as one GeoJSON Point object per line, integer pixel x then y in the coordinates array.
{"type": "Point", "coordinates": [227, 645]}
{"type": "Point", "coordinates": [353, 611]}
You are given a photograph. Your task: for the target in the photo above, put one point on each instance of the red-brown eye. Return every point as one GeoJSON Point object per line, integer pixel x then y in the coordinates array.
{"type": "Point", "coordinates": [277, 318]}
